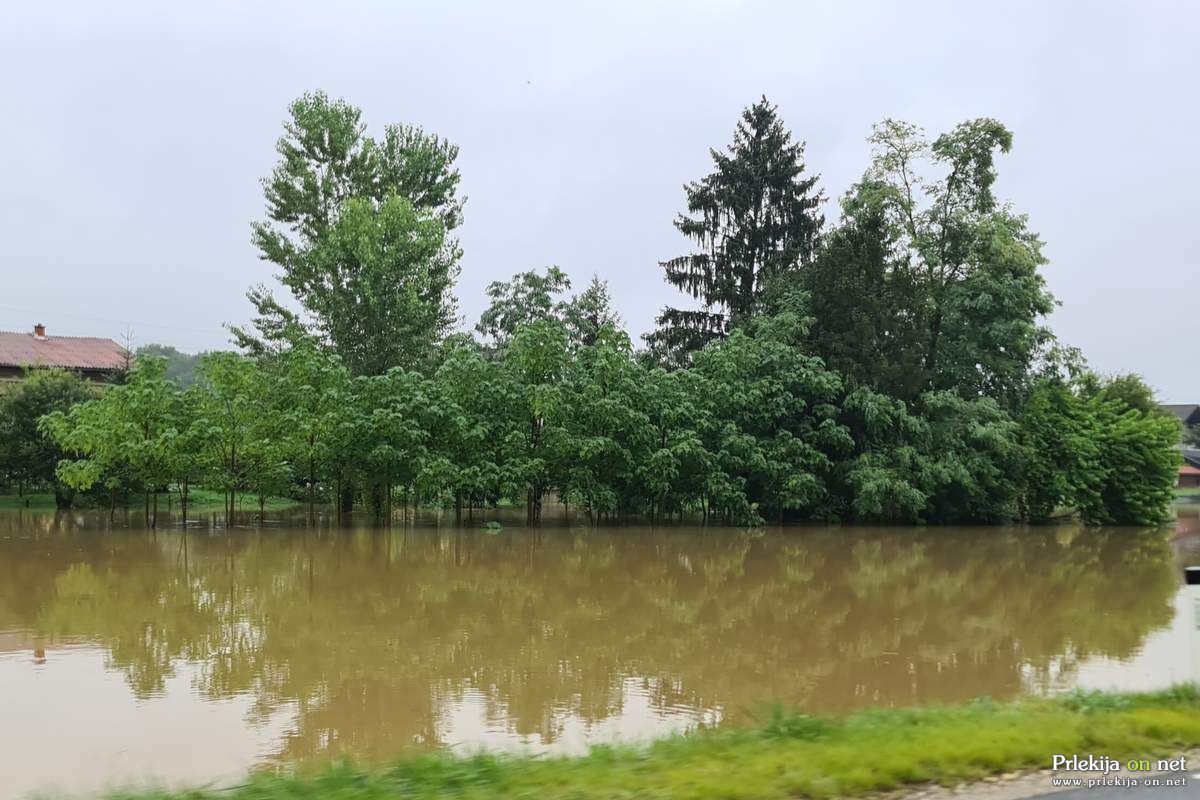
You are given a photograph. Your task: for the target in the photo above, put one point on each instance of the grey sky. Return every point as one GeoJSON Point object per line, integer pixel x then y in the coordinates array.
{"type": "Point", "coordinates": [133, 139]}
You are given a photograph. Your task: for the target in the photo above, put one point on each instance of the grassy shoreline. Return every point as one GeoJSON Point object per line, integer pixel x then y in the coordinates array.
{"type": "Point", "coordinates": [787, 756]}
{"type": "Point", "coordinates": [199, 501]}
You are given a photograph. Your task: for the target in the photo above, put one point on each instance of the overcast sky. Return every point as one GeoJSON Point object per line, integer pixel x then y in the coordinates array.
{"type": "Point", "coordinates": [133, 138]}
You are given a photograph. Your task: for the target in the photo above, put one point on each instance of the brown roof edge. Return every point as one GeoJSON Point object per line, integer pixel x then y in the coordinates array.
{"type": "Point", "coordinates": [69, 352]}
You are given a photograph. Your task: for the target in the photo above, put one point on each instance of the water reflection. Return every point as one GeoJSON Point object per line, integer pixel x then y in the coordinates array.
{"type": "Point", "coordinates": [366, 641]}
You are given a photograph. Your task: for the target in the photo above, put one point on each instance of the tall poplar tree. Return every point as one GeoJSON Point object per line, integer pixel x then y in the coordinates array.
{"type": "Point", "coordinates": [359, 229]}
{"type": "Point", "coordinates": [978, 299]}
{"type": "Point", "coordinates": [755, 217]}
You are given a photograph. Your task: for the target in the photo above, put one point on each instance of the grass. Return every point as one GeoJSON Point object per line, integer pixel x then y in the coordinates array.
{"type": "Point", "coordinates": [1193, 491]}
{"type": "Point", "coordinates": [199, 501]}
{"type": "Point", "coordinates": [212, 500]}
{"type": "Point", "coordinates": [35, 501]}
{"type": "Point", "coordinates": [788, 755]}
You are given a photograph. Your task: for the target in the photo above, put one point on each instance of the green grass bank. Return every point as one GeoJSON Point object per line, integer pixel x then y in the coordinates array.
{"type": "Point", "coordinates": [199, 501]}
{"type": "Point", "coordinates": [786, 756]}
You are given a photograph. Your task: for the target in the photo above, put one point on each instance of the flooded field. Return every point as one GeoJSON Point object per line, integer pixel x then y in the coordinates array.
{"type": "Point", "coordinates": [177, 657]}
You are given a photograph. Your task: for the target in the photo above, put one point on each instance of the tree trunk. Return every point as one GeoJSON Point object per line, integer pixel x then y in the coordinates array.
{"type": "Point", "coordinates": [337, 498]}
{"type": "Point", "coordinates": [377, 500]}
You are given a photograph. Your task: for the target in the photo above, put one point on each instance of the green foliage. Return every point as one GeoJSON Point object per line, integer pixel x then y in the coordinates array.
{"type": "Point", "coordinates": [868, 318]}
{"type": "Point", "coordinates": [142, 434]}
{"type": "Point", "coordinates": [379, 283]}
{"type": "Point", "coordinates": [28, 457]}
{"type": "Point", "coordinates": [531, 297]}
{"type": "Point", "coordinates": [181, 367]}
{"type": "Point", "coordinates": [1140, 462]}
{"type": "Point", "coordinates": [931, 284]}
{"type": "Point", "coordinates": [778, 434]}
{"type": "Point", "coordinates": [1101, 446]}
{"type": "Point", "coordinates": [528, 298]}
{"type": "Point", "coordinates": [754, 219]}
{"type": "Point", "coordinates": [895, 370]}
{"type": "Point", "coordinates": [945, 460]}
{"type": "Point", "coordinates": [1063, 462]}
{"type": "Point", "coordinates": [590, 312]}
{"type": "Point", "coordinates": [359, 229]}
{"type": "Point", "coordinates": [238, 440]}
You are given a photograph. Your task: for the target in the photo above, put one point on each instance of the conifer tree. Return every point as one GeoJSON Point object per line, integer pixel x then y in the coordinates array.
{"type": "Point", "coordinates": [755, 217]}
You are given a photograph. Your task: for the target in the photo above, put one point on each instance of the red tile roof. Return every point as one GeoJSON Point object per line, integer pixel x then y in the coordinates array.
{"type": "Point", "coordinates": [1188, 469]}
{"type": "Point", "coordinates": [70, 352]}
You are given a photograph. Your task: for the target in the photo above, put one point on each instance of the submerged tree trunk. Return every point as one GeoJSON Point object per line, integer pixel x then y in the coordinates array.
{"type": "Point", "coordinates": [62, 500]}
{"type": "Point", "coordinates": [377, 500]}
{"type": "Point", "coordinates": [312, 481]}
{"type": "Point", "coordinates": [533, 506]}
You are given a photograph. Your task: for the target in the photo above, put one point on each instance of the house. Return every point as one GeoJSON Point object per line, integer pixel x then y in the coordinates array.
{"type": "Point", "coordinates": [1188, 414]}
{"type": "Point", "coordinates": [1189, 477]}
{"type": "Point", "coordinates": [92, 358]}
{"type": "Point", "coordinates": [1189, 470]}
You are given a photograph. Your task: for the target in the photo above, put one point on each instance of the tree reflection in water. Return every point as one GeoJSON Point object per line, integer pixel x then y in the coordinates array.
{"type": "Point", "coordinates": [375, 635]}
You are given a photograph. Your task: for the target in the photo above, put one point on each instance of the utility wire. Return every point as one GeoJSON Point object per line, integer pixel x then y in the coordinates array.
{"type": "Point", "coordinates": [113, 321]}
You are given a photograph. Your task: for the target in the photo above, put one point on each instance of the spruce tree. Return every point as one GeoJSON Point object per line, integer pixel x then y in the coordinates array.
{"type": "Point", "coordinates": [755, 217]}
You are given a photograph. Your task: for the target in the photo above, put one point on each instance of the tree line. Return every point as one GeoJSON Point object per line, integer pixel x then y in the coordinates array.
{"type": "Point", "coordinates": [894, 365]}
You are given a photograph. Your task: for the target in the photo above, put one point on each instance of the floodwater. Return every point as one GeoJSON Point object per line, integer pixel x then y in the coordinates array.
{"type": "Point", "coordinates": [129, 657]}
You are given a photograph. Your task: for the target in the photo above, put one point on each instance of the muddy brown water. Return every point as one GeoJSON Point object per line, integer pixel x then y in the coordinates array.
{"type": "Point", "coordinates": [129, 656]}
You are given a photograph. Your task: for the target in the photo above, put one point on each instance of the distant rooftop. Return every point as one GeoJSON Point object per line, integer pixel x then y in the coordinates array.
{"type": "Point", "coordinates": [1187, 413]}
{"type": "Point", "coordinates": [37, 349]}
{"type": "Point", "coordinates": [1191, 456]}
